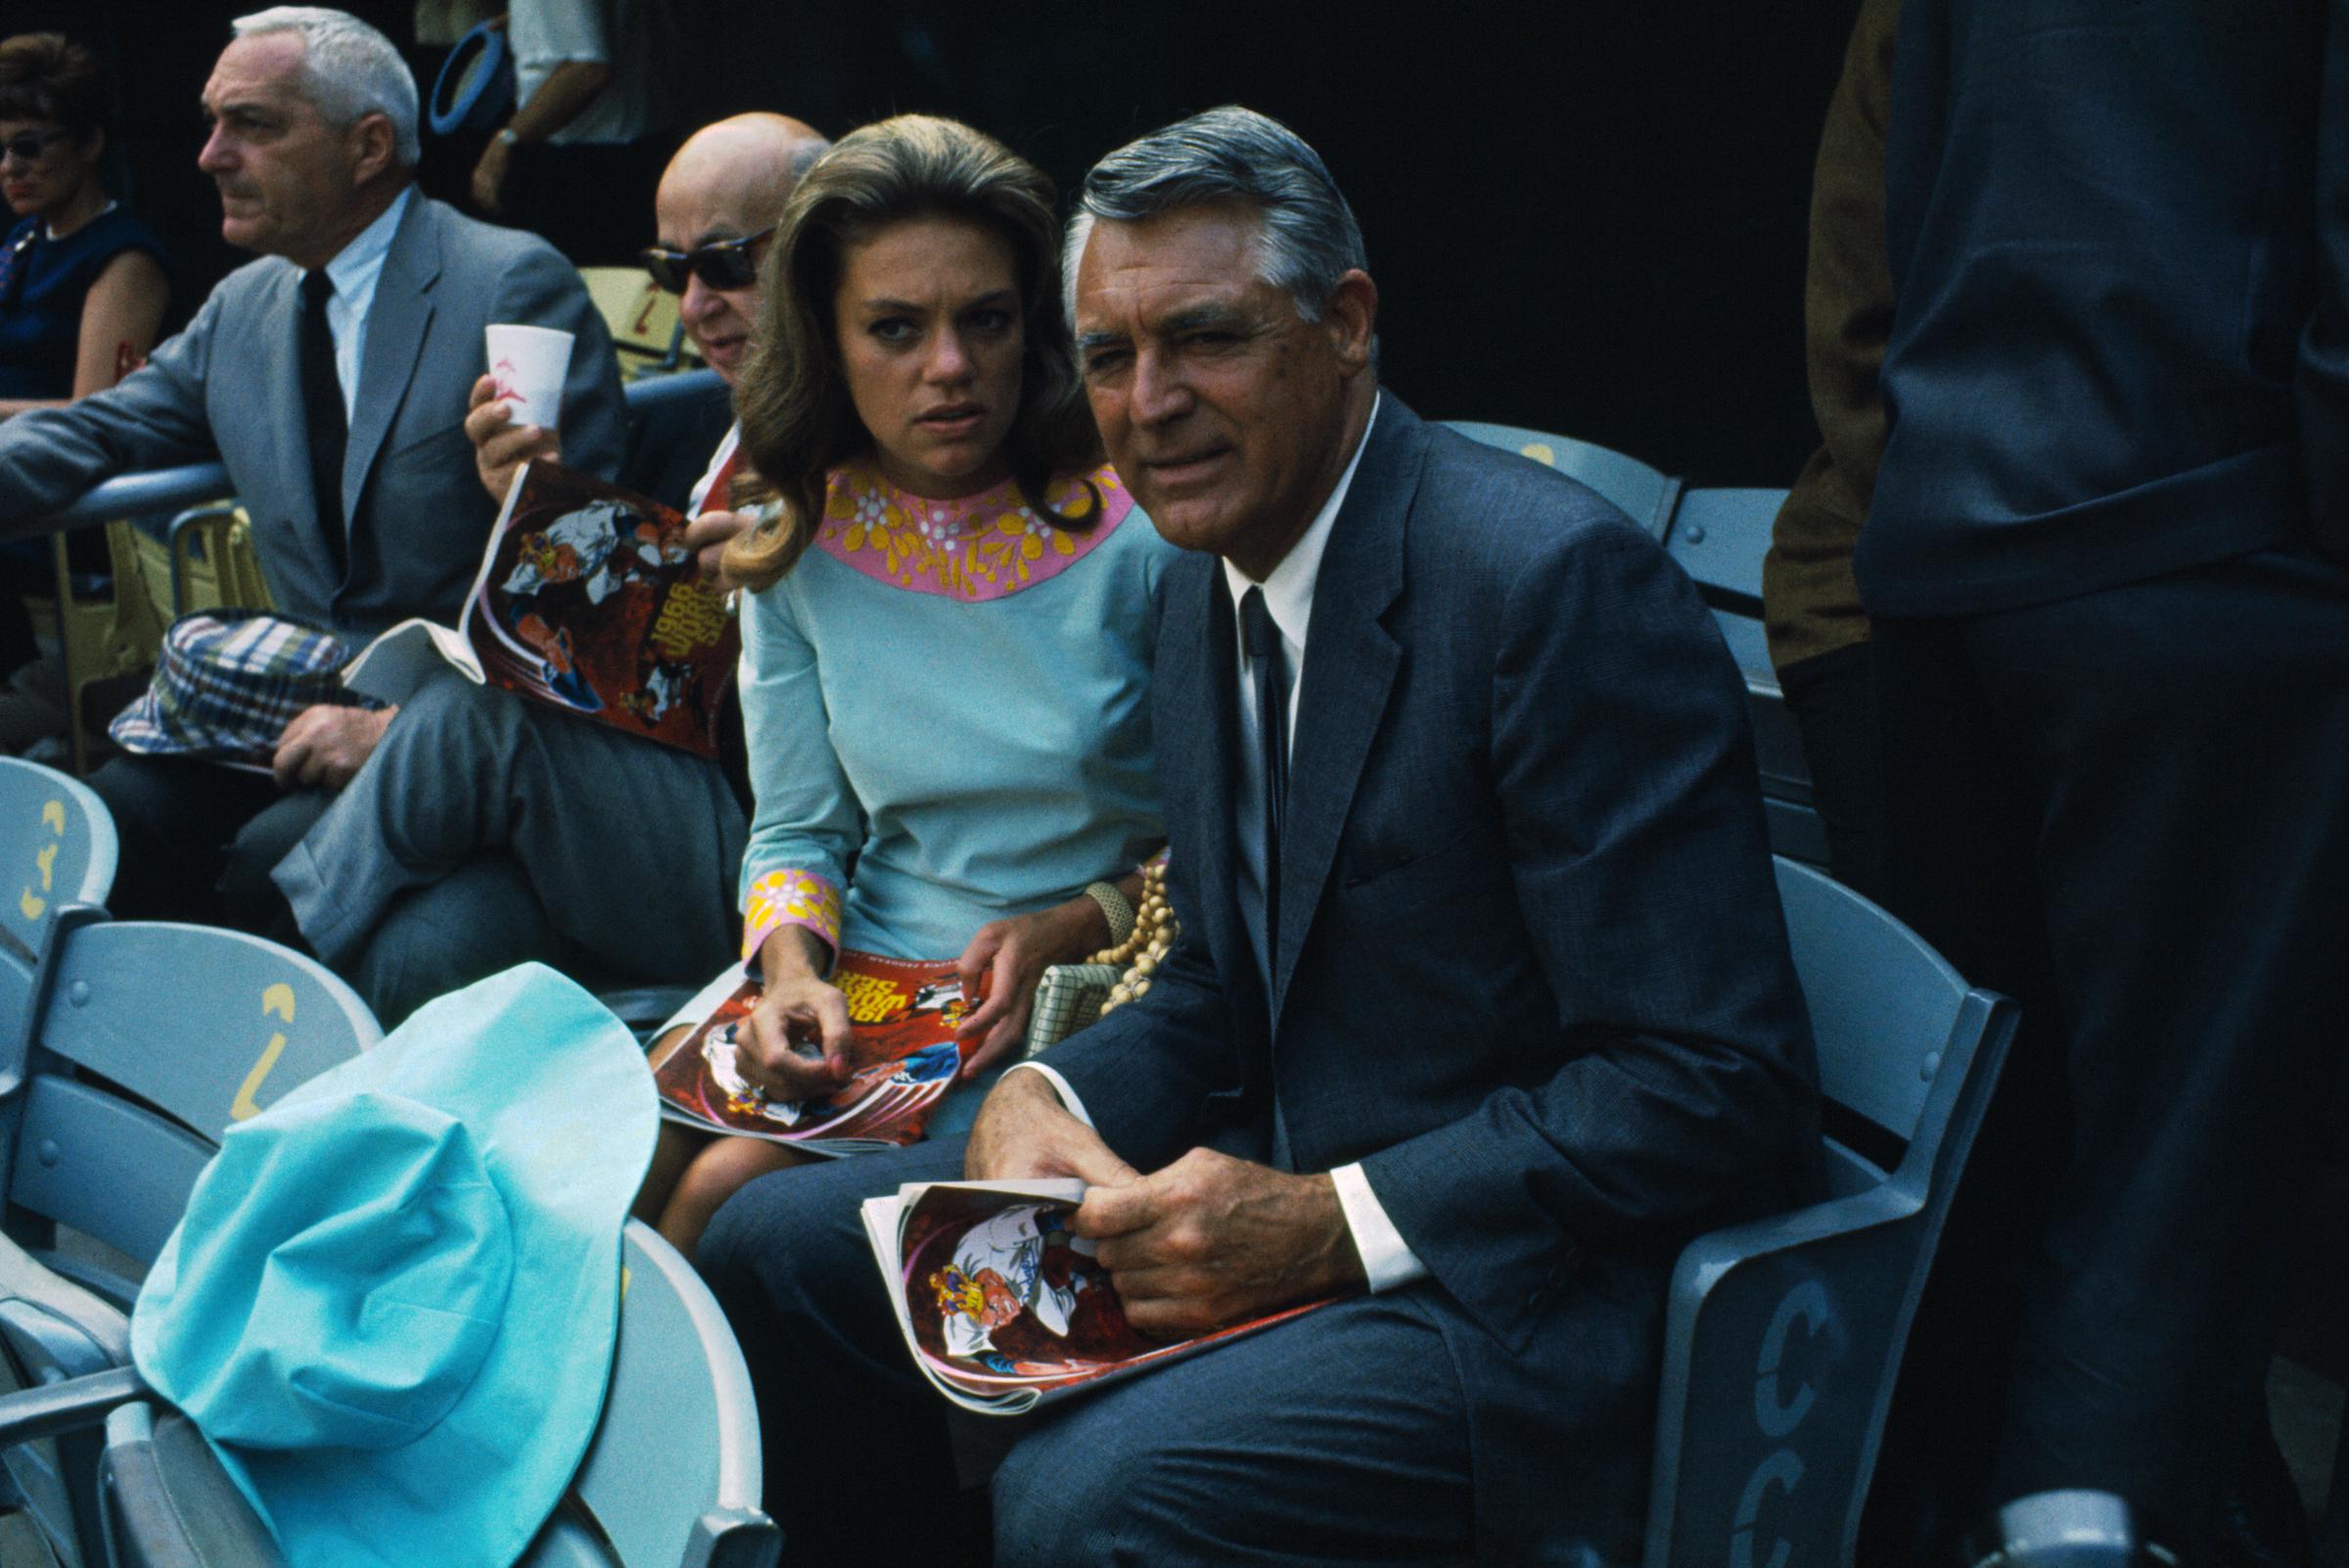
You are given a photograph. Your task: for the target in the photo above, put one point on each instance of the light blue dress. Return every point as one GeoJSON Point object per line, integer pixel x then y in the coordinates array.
{"type": "Point", "coordinates": [948, 718]}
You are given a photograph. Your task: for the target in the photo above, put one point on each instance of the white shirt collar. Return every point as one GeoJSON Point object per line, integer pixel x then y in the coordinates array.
{"type": "Point", "coordinates": [354, 272]}
{"type": "Point", "coordinates": [359, 263]}
{"type": "Point", "coordinates": [1289, 590]}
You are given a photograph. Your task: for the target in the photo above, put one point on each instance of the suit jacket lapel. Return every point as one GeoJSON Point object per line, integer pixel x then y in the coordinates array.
{"type": "Point", "coordinates": [1349, 663]}
{"type": "Point", "coordinates": [396, 323]}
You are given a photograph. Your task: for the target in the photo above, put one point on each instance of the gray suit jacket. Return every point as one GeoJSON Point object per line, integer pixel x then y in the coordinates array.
{"type": "Point", "coordinates": [230, 387]}
{"type": "Point", "coordinates": [1532, 974]}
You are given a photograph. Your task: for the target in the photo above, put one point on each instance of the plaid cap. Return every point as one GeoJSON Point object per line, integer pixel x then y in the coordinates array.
{"type": "Point", "coordinates": [227, 682]}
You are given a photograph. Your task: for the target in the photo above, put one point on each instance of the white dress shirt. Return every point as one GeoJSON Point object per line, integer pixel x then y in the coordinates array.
{"type": "Point", "coordinates": [1387, 1260]}
{"type": "Point", "coordinates": [353, 272]}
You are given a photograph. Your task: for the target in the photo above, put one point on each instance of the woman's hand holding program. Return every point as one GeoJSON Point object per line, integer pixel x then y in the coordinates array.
{"type": "Point", "coordinates": [1011, 955]}
{"type": "Point", "coordinates": [795, 1044]}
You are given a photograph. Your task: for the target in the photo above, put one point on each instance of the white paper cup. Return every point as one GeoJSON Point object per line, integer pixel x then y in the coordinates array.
{"type": "Point", "coordinates": [528, 364]}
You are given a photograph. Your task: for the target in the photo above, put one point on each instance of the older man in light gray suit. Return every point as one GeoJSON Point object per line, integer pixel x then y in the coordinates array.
{"type": "Point", "coordinates": [361, 327]}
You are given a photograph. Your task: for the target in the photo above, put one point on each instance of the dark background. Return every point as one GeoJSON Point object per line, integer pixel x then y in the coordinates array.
{"type": "Point", "coordinates": [1586, 217]}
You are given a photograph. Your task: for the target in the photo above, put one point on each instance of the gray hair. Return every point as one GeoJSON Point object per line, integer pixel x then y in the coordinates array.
{"type": "Point", "coordinates": [1308, 238]}
{"type": "Point", "coordinates": [349, 69]}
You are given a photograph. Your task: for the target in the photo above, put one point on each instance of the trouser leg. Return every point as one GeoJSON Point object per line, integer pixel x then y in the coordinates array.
{"type": "Point", "coordinates": [1339, 1438]}
{"type": "Point", "coordinates": [2177, 745]}
{"type": "Point", "coordinates": [248, 899]}
{"type": "Point", "coordinates": [630, 847]}
{"type": "Point", "coordinates": [2192, 733]}
{"type": "Point", "coordinates": [859, 1468]}
{"type": "Point", "coordinates": [174, 817]}
{"type": "Point", "coordinates": [473, 923]}
{"type": "Point", "coordinates": [1958, 867]}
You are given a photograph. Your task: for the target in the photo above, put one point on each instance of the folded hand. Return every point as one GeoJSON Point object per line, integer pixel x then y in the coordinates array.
{"type": "Point", "coordinates": [1024, 1131]}
{"type": "Point", "coordinates": [323, 746]}
{"type": "Point", "coordinates": [1210, 1241]}
{"type": "Point", "coordinates": [794, 1044]}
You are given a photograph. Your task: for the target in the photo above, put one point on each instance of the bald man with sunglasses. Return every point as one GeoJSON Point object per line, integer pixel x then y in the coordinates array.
{"type": "Point", "coordinates": [486, 830]}
{"type": "Point", "coordinates": [717, 203]}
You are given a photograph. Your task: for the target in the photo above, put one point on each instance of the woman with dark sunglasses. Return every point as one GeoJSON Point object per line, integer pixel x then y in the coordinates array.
{"type": "Point", "coordinates": [947, 641]}
{"type": "Point", "coordinates": [81, 297]}
{"type": "Point", "coordinates": [81, 284]}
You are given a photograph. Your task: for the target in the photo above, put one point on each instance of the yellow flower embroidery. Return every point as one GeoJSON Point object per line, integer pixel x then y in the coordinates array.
{"type": "Point", "coordinates": [789, 897]}
{"type": "Point", "coordinates": [976, 547]}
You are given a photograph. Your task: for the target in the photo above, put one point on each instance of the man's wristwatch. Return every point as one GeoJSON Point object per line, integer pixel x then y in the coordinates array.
{"type": "Point", "coordinates": [506, 137]}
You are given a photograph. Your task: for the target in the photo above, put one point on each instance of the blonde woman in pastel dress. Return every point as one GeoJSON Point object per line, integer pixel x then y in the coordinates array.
{"type": "Point", "coordinates": [947, 645]}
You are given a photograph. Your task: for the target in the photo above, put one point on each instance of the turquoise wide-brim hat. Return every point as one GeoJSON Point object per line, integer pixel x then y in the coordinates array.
{"type": "Point", "coordinates": [392, 1304]}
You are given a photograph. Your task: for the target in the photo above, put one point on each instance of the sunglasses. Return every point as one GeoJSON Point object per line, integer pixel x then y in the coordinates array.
{"type": "Point", "coordinates": [29, 146]}
{"type": "Point", "coordinates": [726, 265]}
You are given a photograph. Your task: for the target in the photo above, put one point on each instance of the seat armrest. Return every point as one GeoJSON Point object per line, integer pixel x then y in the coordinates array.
{"type": "Point", "coordinates": [733, 1538]}
{"type": "Point", "coordinates": [32, 1413]}
{"type": "Point", "coordinates": [24, 1278]}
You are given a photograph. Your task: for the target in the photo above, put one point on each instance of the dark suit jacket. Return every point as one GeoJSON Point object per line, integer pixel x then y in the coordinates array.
{"type": "Point", "coordinates": [2119, 239]}
{"type": "Point", "coordinates": [230, 387]}
{"type": "Point", "coordinates": [1532, 973]}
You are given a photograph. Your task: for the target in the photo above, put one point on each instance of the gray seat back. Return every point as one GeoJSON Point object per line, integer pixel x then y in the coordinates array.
{"type": "Point", "coordinates": [150, 1040]}
{"type": "Point", "coordinates": [57, 847]}
{"type": "Point", "coordinates": [1783, 1337]}
{"type": "Point", "coordinates": [670, 1479]}
{"type": "Point", "coordinates": [674, 1474]}
{"type": "Point", "coordinates": [1646, 494]}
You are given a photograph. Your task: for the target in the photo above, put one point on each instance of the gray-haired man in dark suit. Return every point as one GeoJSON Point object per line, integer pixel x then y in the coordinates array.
{"type": "Point", "coordinates": [1483, 1000]}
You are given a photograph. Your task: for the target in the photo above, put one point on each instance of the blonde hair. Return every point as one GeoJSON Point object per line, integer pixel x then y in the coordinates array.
{"type": "Point", "coordinates": [798, 421]}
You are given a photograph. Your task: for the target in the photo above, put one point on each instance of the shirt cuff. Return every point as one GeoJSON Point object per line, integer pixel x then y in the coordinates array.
{"type": "Point", "coordinates": [1387, 1259]}
{"type": "Point", "coordinates": [1060, 1087]}
{"type": "Point", "coordinates": [787, 898]}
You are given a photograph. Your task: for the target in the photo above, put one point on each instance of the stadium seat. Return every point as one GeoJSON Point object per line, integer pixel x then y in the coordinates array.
{"type": "Point", "coordinates": [643, 317]}
{"type": "Point", "coordinates": [51, 1329]}
{"type": "Point", "coordinates": [674, 423]}
{"type": "Point", "coordinates": [1783, 1336]}
{"type": "Point", "coordinates": [1648, 495]}
{"type": "Point", "coordinates": [148, 1040]}
{"type": "Point", "coordinates": [1719, 536]}
{"type": "Point", "coordinates": [141, 1044]}
{"type": "Point", "coordinates": [58, 846]}
{"type": "Point", "coordinates": [670, 1479]}
{"type": "Point", "coordinates": [79, 612]}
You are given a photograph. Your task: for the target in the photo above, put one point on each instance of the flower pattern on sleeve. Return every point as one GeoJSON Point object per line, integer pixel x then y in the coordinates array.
{"type": "Point", "coordinates": [789, 897]}
{"type": "Point", "coordinates": [974, 548]}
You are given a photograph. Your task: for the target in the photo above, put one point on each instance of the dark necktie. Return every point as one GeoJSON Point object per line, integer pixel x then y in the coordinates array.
{"type": "Point", "coordinates": [322, 405]}
{"type": "Point", "coordinates": [1268, 671]}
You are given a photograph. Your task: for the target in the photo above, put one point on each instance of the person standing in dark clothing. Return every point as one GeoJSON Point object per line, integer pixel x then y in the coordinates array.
{"type": "Point", "coordinates": [2112, 635]}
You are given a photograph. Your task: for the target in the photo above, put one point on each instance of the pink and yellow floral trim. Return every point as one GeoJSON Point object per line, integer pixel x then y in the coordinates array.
{"type": "Point", "coordinates": [789, 897]}
{"type": "Point", "coordinates": [977, 548]}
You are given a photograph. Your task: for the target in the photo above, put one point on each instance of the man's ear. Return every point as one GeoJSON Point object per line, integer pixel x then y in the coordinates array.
{"type": "Point", "coordinates": [376, 147]}
{"type": "Point", "coordinates": [1352, 317]}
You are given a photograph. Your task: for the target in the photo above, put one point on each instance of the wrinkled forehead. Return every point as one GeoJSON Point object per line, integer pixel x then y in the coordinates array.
{"type": "Point", "coordinates": [260, 71]}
